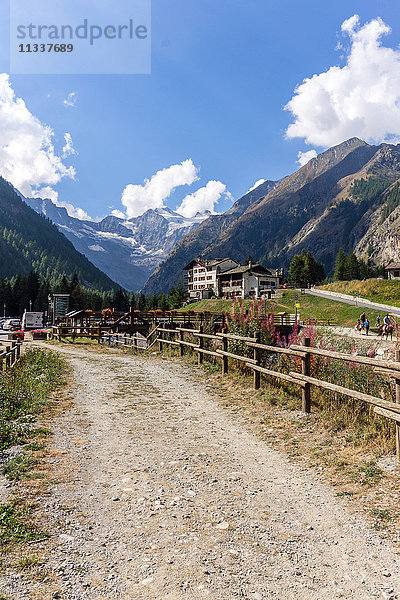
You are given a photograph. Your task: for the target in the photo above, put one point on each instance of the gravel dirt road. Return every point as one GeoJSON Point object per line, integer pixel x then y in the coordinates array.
{"type": "Point", "coordinates": [168, 497]}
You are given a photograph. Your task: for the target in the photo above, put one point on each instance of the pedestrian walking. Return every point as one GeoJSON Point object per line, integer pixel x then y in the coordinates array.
{"type": "Point", "coordinates": [366, 325]}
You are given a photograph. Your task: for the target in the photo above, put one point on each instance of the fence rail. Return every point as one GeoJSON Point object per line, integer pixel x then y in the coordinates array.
{"type": "Point", "coordinates": [9, 356]}
{"type": "Point", "coordinates": [304, 380]}
{"type": "Point", "coordinates": [173, 334]}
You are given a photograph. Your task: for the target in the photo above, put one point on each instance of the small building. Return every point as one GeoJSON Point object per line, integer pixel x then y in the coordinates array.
{"type": "Point", "coordinates": [201, 277]}
{"type": "Point", "coordinates": [393, 270]}
{"type": "Point", "coordinates": [249, 281]}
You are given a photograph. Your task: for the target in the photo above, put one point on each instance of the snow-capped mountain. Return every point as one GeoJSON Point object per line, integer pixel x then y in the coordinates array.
{"type": "Point", "coordinates": [128, 250]}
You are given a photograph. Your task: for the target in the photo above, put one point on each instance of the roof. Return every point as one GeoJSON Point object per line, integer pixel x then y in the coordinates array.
{"type": "Point", "coordinates": [205, 262]}
{"type": "Point", "coordinates": [257, 269]}
{"type": "Point", "coordinates": [393, 265]}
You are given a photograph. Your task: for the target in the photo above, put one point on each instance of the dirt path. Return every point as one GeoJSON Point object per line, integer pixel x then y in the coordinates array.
{"type": "Point", "coordinates": [171, 498]}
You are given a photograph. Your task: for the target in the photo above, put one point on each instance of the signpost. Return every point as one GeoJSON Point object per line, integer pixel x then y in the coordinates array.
{"type": "Point", "coordinates": [296, 306]}
{"type": "Point", "coordinates": [59, 306]}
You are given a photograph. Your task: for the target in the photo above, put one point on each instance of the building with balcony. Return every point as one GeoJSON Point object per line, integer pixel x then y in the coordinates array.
{"type": "Point", "coordinates": [249, 281]}
{"type": "Point", "coordinates": [201, 276]}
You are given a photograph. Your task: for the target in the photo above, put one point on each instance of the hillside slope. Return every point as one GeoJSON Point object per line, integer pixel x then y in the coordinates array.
{"type": "Point", "coordinates": [170, 270]}
{"type": "Point", "coordinates": [128, 250]}
{"type": "Point", "coordinates": [348, 196]}
{"type": "Point", "coordinates": [30, 241]}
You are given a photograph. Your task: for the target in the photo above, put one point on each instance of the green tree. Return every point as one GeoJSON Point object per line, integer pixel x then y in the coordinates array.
{"type": "Point", "coordinates": [352, 267]}
{"type": "Point", "coordinates": [340, 266]}
{"type": "Point", "coordinates": [176, 296]}
{"type": "Point", "coordinates": [304, 270]}
{"type": "Point", "coordinates": [296, 270]}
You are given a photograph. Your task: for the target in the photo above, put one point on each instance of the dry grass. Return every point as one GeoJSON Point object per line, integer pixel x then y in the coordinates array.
{"type": "Point", "coordinates": [377, 290]}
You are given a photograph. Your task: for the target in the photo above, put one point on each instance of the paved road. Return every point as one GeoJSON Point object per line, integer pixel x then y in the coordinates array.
{"type": "Point", "coordinates": [395, 310]}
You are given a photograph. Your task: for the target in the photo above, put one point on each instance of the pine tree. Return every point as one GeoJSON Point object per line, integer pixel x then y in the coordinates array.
{"type": "Point", "coordinates": [352, 267]}
{"type": "Point", "coordinates": [340, 266]}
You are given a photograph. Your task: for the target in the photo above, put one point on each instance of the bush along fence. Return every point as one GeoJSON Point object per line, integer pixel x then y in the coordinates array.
{"type": "Point", "coordinates": [9, 355]}
{"type": "Point", "coordinates": [300, 366]}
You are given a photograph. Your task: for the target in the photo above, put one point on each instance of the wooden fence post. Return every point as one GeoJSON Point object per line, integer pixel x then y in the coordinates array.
{"type": "Point", "coordinates": [181, 346]}
{"type": "Point", "coordinates": [160, 337]}
{"type": "Point", "coordinates": [18, 350]}
{"type": "Point", "coordinates": [201, 345]}
{"type": "Point", "coordinates": [305, 369]}
{"type": "Point", "coordinates": [224, 358]}
{"type": "Point", "coordinates": [397, 423]}
{"type": "Point", "coordinates": [257, 358]}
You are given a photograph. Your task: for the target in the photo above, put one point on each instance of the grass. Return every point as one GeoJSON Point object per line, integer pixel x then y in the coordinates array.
{"type": "Point", "coordinates": [311, 307]}
{"type": "Point", "coordinates": [15, 525]}
{"type": "Point", "coordinates": [377, 290]}
{"type": "Point", "coordinates": [370, 473]}
{"type": "Point", "coordinates": [24, 391]}
{"type": "Point", "coordinates": [19, 466]}
{"type": "Point", "coordinates": [382, 513]}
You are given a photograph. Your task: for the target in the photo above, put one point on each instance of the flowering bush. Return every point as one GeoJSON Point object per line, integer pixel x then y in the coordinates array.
{"type": "Point", "coordinates": [247, 324]}
{"type": "Point", "coordinates": [17, 335]}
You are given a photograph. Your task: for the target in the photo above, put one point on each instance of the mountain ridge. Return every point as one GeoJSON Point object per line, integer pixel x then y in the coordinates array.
{"type": "Point", "coordinates": [314, 208]}
{"type": "Point", "coordinates": [128, 250]}
{"type": "Point", "coordinates": [29, 241]}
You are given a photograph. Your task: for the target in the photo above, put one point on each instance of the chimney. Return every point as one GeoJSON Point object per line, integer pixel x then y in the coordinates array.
{"type": "Point", "coordinates": [250, 263]}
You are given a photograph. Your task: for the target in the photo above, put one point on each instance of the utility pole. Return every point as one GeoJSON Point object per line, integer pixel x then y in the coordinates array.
{"type": "Point", "coordinates": [4, 309]}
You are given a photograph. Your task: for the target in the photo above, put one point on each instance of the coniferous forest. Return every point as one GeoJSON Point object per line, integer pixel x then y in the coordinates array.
{"type": "Point", "coordinates": [31, 293]}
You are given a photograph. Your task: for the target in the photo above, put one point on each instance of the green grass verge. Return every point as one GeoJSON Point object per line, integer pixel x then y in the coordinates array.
{"type": "Point", "coordinates": [15, 525]}
{"type": "Point", "coordinates": [377, 290]}
{"type": "Point", "coordinates": [19, 466]}
{"type": "Point", "coordinates": [24, 390]}
{"type": "Point", "coordinates": [311, 307]}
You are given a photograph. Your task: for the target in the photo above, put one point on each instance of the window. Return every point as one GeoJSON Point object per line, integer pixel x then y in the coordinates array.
{"type": "Point", "coordinates": [396, 273]}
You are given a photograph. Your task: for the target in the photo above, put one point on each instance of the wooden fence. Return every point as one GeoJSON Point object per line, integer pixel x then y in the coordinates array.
{"type": "Point", "coordinates": [135, 342]}
{"type": "Point", "coordinates": [58, 332]}
{"type": "Point", "coordinates": [143, 323]}
{"type": "Point", "coordinates": [9, 355]}
{"type": "Point", "coordinates": [178, 339]}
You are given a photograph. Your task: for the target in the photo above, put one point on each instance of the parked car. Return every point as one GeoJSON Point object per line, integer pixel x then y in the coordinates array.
{"type": "Point", "coordinates": [12, 324]}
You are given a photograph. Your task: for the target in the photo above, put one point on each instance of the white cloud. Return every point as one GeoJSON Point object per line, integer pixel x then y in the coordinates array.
{"type": "Point", "coordinates": [68, 147]}
{"type": "Point", "coordinates": [304, 157]}
{"type": "Point", "coordinates": [203, 199]}
{"type": "Point", "coordinates": [73, 211]}
{"type": "Point", "coordinates": [27, 155]}
{"type": "Point", "coordinates": [257, 183]}
{"type": "Point", "coordinates": [71, 99]}
{"type": "Point", "coordinates": [118, 213]}
{"type": "Point", "coordinates": [139, 198]}
{"type": "Point", "coordinates": [360, 99]}
{"type": "Point", "coordinates": [48, 192]}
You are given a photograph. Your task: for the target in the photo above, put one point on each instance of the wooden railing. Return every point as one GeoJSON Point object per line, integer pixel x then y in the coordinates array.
{"type": "Point", "coordinates": [58, 332]}
{"type": "Point", "coordinates": [9, 355]}
{"type": "Point", "coordinates": [303, 379]}
{"type": "Point", "coordinates": [134, 342]}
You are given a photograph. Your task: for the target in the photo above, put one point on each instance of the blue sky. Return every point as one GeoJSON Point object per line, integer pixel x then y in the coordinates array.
{"type": "Point", "coordinates": [222, 72]}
